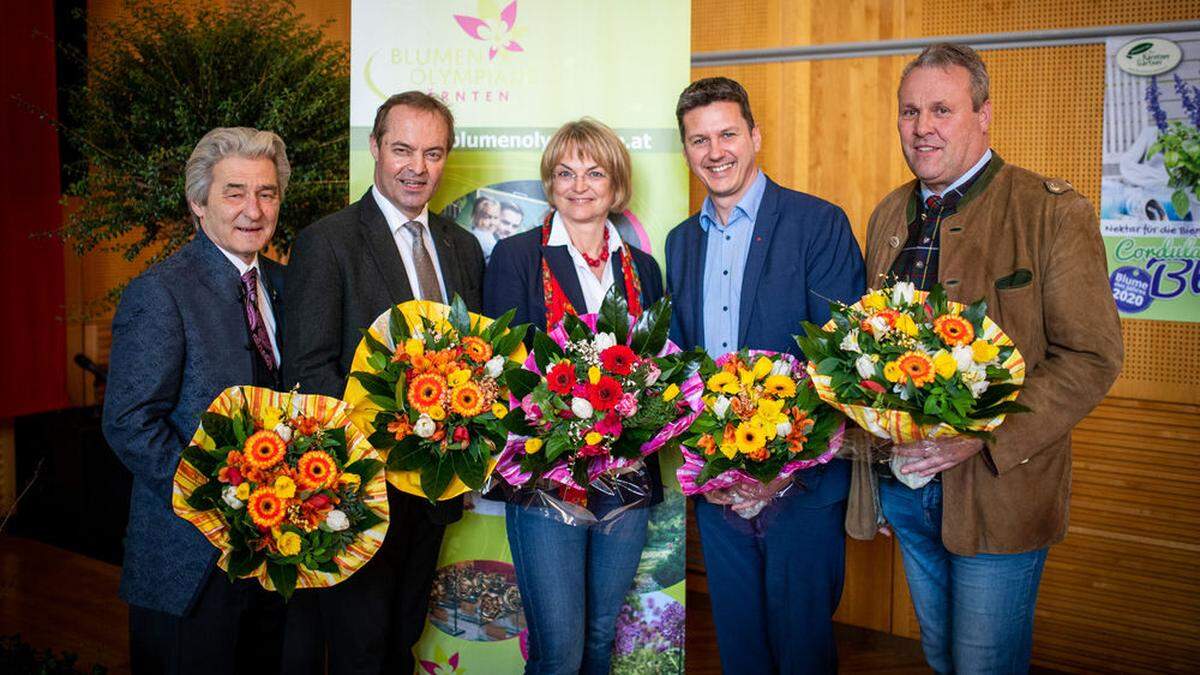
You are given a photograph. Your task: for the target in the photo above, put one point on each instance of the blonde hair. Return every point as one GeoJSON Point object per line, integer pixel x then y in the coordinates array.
{"type": "Point", "coordinates": [225, 142]}
{"type": "Point", "coordinates": [587, 137]}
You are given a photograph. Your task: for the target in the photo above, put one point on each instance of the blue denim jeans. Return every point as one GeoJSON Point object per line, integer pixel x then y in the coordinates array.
{"type": "Point", "coordinates": [976, 612]}
{"type": "Point", "coordinates": [573, 582]}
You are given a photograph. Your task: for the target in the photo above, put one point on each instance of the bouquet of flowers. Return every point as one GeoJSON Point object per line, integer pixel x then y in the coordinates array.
{"type": "Point", "coordinates": [908, 365]}
{"type": "Point", "coordinates": [285, 486]}
{"type": "Point", "coordinates": [427, 386]}
{"type": "Point", "coordinates": [598, 393]}
{"type": "Point", "coordinates": [759, 418]}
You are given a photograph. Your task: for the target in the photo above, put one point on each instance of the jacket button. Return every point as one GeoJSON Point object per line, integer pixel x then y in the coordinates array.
{"type": "Point", "coordinates": [1025, 461]}
{"type": "Point", "coordinates": [894, 241]}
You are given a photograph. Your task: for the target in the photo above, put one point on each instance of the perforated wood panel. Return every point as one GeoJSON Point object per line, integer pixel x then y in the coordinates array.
{"type": "Point", "coordinates": [955, 17]}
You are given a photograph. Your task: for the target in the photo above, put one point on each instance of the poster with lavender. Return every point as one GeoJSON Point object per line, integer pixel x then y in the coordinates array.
{"type": "Point", "coordinates": [1150, 190]}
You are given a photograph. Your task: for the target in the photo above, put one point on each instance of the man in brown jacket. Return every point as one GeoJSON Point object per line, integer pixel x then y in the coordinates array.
{"type": "Point", "coordinates": [975, 537]}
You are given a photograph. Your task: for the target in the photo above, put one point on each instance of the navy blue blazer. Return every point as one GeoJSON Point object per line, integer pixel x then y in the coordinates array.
{"type": "Point", "coordinates": [802, 256]}
{"type": "Point", "coordinates": [179, 339]}
{"type": "Point", "coordinates": [513, 280]}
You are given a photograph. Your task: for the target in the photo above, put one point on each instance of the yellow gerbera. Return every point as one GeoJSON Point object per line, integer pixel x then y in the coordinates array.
{"type": "Point", "coordinates": [891, 370]}
{"type": "Point", "coordinates": [724, 382]}
{"type": "Point", "coordinates": [780, 385]}
{"type": "Point", "coordinates": [750, 437]}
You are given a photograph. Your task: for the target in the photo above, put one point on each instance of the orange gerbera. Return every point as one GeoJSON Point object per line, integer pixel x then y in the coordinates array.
{"type": "Point", "coordinates": [266, 509]}
{"type": "Point", "coordinates": [264, 449]}
{"type": "Point", "coordinates": [305, 425]}
{"type": "Point", "coordinates": [315, 470]}
{"type": "Point", "coordinates": [426, 390]}
{"type": "Point", "coordinates": [954, 330]}
{"type": "Point", "coordinates": [467, 399]}
{"type": "Point", "coordinates": [917, 367]}
{"type": "Point", "coordinates": [476, 348]}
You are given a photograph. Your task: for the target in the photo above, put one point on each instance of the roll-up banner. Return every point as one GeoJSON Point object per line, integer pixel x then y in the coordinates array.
{"type": "Point", "coordinates": [512, 73]}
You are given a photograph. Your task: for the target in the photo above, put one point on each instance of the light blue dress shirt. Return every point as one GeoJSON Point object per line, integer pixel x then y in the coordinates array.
{"type": "Point", "coordinates": [724, 265]}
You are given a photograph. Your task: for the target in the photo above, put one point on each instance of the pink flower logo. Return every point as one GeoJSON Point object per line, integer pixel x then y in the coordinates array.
{"type": "Point", "coordinates": [492, 26]}
{"type": "Point", "coordinates": [441, 665]}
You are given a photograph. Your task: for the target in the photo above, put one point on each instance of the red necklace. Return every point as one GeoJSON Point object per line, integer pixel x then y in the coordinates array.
{"type": "Point", "coordinates": [600, 259]}
{"type": "Point", "coordinates": [556, 300]}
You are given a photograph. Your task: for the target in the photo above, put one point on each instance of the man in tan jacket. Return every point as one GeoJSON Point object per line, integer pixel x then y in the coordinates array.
{"type": "Point", "coordinates": [975, 537]}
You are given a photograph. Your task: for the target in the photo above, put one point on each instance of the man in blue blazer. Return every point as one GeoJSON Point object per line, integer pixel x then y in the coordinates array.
{"type": "Point", "coordinates": [744, 272]}
{"type": "Point", "coordinates": [193, 325]}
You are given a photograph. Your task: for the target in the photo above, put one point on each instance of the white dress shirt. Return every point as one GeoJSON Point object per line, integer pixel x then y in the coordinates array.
{"type": "Point", "coordinates": [264, 300]}
{"type": "Point", "coordinates": [404, 242]}
{"type": "Point", "coordinates": [594, 289]}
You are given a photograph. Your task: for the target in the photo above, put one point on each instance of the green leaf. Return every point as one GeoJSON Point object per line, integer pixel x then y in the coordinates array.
{"type": "Point", "coordinates": [497, 327]}
{"type": "Point", "coordinates": [556, 445]}
{"type": "Point", "coordinates": [579, 471]}
{"type": "Point", "coordinates": [458, 317]}
{"type": "Point", "coordinates": [398, 326]}
{"type": "Point", "coordinates": [614, 315]}
{"type": "Point", "coordinates": [516, 423]}
{"type": "Point", "coordinates": [384, 402]}
{"type": "Point", "coordinates": [374, 384]}
{"type": "Point", "coordinates": [1179, 202]}
{"type": "Point", "coordinates": [377, 361]}
{"type": "Point", "coordinates": [520, 382]}
{"type": "Point", "coordinates": [220, 429]}
{"type": "Point", "coordinates": [409, 454]}
{"type": "Point", "coordinates": [200, 458]}
{"type": "Point", "coordinates": [365, 468]}
{"type": "Point", "coordinates": [374, 345]}
{"type": "Point", "coordinates": [435, 476]}
{"type": "Point", "coordinates": [284, 578]}
{"type": "Point", "coordinates": [650, 331]}
{"type": "Point", "coordinates": [575, 327]}
{"type": "Point", "coordinates": [207, 496]}
{"type": "Point", "coordinates": [469, 468]}
{"type": "Point", "coordinates": [507, 343]}
{"type": "Point", "coordinates": [545, 350]}
{"type": "Point", "coordinates": [335, 443]}
{"type": "Point", "coordinates": [1145, 46]}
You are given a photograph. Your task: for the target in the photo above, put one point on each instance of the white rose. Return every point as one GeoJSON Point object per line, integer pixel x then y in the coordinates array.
{"type": "Point", "coordinates": [229, 494]}
{"type": "Point", "coordinates": [902, 293]}
{"type": "Point", "coordinates": [977, 388]}
{"type": "Point", "coordinates": [581, 408]}
{"type": "Point", "coordinates": [865, 366]}
{"type": "Point", "coordinates": [879, 326]}
{"type": "Point", "coordinates": [850, 342]}
{"type": "Point", "coordinates": [720, 407]}
{"type": "Point", "coordinates": [494, 367]}
{"type": "Point", "coordinates": [783, 428]}
{"type": "Point", "coordinates": [963, 357]}
{"type": "Point", "coordinates": [425, 426]}
{"type": "Point", "coordinates": [284, 431]}
{"type": "Point", "coordinates": [604, 341]}
{"type": "Point", "coordinates": [336, 521]}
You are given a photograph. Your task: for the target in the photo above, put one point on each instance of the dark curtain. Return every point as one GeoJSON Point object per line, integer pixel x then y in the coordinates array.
{"type": "Point", "coordinates": [33, 364]}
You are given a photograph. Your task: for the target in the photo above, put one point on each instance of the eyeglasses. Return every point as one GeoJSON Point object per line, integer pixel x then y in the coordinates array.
{"type": "Point", "coordinates": [568, 177]}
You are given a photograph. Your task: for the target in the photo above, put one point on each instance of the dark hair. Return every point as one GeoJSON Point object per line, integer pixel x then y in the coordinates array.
{"type": "Point", "coordinates": [481, 202]}
{"type": "Point", "coordinates": [712, 90]}
{"type": "Point", "coordinates": [419, 101]}
{"type": "Point", "coordinates": [946, 54]}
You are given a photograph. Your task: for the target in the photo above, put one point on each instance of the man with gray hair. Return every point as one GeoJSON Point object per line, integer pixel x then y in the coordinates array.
{"type": "Point", "coordinates": [188, 328]}
{"type": "Point", "coordinates": [975, 517]}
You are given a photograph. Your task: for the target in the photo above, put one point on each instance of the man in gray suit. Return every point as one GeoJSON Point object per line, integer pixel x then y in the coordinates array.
{"type": "Point", "coordinates": [188, 328]}
{"type": "Point", "coordinates": [345, 270]}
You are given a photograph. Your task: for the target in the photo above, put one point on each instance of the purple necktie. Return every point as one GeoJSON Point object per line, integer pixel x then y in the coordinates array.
{"type": "Point", "coordinates": [258, 328]}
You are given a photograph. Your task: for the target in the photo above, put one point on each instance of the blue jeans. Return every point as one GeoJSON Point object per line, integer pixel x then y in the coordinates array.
{"type": "Point", "coordinates": [976, 612]}
{"type": "Point", "coordinates": [573, 581]}
{"type": "Point", "coordinates": [775, 580]}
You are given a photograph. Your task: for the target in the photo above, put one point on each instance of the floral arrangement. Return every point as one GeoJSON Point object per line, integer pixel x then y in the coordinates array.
{"type": "Point", "coordinates": [427, 386]}
{"type": "Point", "coordinates": [598, 393]}
{"type": "Point", "coordinates": [759, 417]}
{"type": "Point", "coordinates": [1179, 143]}
{"type": "Point", "coordinates": [907, 365]}
{"type": "Point", "coordinates": [285, 486]}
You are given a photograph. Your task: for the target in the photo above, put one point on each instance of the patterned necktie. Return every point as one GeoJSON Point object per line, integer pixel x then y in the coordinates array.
{"type": "Point", "coordinates": [258, 328]}
{"type": "Point", "coordinates": [426, 275]}
{"type": "Point", "coordinates": [933, 203]}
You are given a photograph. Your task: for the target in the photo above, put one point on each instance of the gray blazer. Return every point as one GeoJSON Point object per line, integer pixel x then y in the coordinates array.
{"type": "Point", "coordinates": [179, 340]}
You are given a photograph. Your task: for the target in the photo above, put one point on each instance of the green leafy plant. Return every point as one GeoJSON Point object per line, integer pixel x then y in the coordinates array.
{"type": "Point", "coordinates": [160, 78]}
{"type": "Point", "coordinates": [1180, 148]}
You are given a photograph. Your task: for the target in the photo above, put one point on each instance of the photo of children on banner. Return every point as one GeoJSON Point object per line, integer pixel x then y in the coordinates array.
{"type": "Point", "coordinates": [598, 393]}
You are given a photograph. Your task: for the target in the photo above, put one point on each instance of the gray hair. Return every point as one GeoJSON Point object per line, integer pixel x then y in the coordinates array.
{"type": "Point", "coordinates": [946, 54]}
{"type": "Point", "coordinates": [225, 142]}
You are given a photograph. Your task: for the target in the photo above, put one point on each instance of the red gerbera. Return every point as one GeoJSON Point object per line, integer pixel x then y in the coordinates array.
{"type": "Point", "coordinates": [618, 359]}
{"type": "Point", "coordinates": [604, 394]}
{"type": "Point", "coordinates": [561, 378]}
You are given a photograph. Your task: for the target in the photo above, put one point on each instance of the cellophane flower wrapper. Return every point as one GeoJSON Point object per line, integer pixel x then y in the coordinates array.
{"type": "Point", "coordinates": [295, 458]}
{"type": "Point", "coordinates": [563, 485]}
{"type": "Point", "coordinates": [894, 403]}
{"type": "Point", "coordinates": [822, 448]}
{"type": "Point", "coordinates": [427, 387]}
